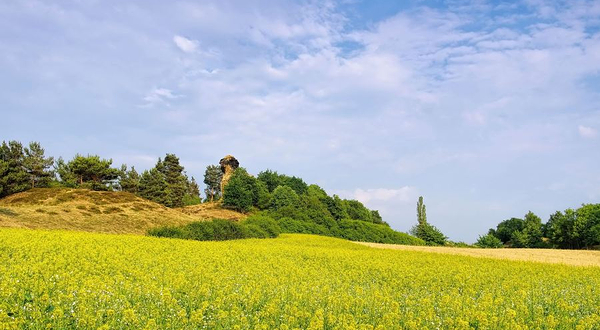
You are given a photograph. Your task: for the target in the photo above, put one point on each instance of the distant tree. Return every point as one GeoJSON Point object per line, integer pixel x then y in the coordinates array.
{"type": "Point", "coordinates": [129, 180]}
{"type": "Point", "coordinates": [13, 177]}
{"type": "Point", "coordinates": [212, 180]}
{"type": "Point", "coordinates": [425, 231]}
{"type": "Point", "coordinates": [376, 218]}
{"type": "Point", "coordinates": [587, 225]}
{"type": "Point", "coordinates": [506, 229]}
{"type": "Point", "coordinates": [262, 197]}
{"type": "Point", "coordinates": [37, 165]}
{"type": "Point", "coordinates": [336, 207]}
{"type": "Point", "coordinates": [153, 186]}
{"type": "Point", "coordinates": [530, 236]}
{"type": "Point", "coordinates": [489, 241]}
{"type": "Point", "coordinates": [284, 196]}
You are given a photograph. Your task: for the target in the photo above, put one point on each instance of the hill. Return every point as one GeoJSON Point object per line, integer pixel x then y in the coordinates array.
{"type": "Point", "coordinates": [97, 211]}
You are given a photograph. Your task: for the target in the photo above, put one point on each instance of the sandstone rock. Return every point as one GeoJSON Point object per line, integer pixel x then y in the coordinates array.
{"type": "Point", "coordinates": [228, 166]}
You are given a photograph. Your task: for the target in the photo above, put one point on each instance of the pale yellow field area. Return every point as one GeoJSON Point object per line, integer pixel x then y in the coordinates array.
{"type": "Point", "coordinates": [553, 256]}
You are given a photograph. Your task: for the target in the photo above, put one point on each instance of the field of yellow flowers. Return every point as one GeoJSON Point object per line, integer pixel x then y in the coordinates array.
{"type": "Point", "coordinates": [57, 280]}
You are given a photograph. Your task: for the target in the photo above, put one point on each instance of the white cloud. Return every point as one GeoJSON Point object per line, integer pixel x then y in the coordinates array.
{"type": "Point", "coordinates": [371, 196]}
{"type": "Point", "coordinates": [587, 132]}
{"type": "Point", "coordinates": [185, 44]}
{"type": "Point", "coordinates": [159, 95]}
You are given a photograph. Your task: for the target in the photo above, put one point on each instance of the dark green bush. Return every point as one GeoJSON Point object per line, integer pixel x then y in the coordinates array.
{"type": "Point", "coordinates": [356, 230]}
{"type": "Point", "coordinates": [264, 223]}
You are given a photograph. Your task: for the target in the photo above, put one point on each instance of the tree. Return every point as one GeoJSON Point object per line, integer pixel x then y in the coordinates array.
{"type": "Point", "coordinates": [239, 193]}
{"type": "Point", "coordinates": [176, 180]}
{"type": "Point", "coordinates": [489, 241]}
{"type": "Point", "coordinates": [506, 229]}
{"type": "Point", "coordinates": [530, 236]}
{"type": "Point", "coordinates": [212, 180]}
{"type": "Point", "coordinates": [357, 211]}
{"type": "Point", "coordinates": [129, 180]}
{"type": "Point", "coordinates": [13, 177]}
{"type": "Point", "coordinates": [192, 194]}
{"type": "Point", "coordinates": [421, 211]}
{"type": "Point", "coordinates": [153, 186]}
{"type": "Point", "coordinates": [37, 165]}
{"type": "Point", "coordinates": [89, 172]}
{"type": "Point", "coordinates": [271, 179]}
{"type": "Point", "coordinates": [425, 231]}
{"type": "Point", "coordinates": [284, 196]}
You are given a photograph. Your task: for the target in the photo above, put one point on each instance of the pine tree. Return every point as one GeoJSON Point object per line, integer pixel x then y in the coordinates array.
{"type": "Point", "coordinates": [129, 180]}
{"type": "Point", "coordinates": [153, 186]}
{"type": "Point", "coordinates": [176, 180]}
{"type": "Point", "coordinates": [37, 165]}
{"type": "Point", "coordinates": [13, 177]}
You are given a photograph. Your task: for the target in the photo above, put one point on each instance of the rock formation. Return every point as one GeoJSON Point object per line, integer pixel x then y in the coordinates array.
{"type": "Point", "coordinates": [228, 165]}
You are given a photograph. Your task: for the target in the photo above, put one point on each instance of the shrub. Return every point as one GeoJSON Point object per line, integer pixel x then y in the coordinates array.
{"type": "Point", "coordinates": [284, 196]}
{"type": "Point", "coordinates": [429, 233]}
{"type": "Point", "coordinates": [489, 241]}
{"type": "Point", "coordinates": [357, 230]}
{"type": "Point", "coordinates": [264, 223]}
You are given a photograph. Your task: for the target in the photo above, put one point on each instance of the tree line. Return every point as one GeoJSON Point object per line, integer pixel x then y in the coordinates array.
{"type": "Point", "coordinates": [23, 168]}
{"type": "Point", "coordinates": [570, 229]}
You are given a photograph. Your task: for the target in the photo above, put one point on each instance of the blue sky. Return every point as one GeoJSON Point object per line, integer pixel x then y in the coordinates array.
{"type": "Point", "coordinates": [488, 109]}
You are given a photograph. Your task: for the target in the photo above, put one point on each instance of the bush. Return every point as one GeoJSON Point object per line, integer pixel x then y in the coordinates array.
{"type": "Point", "coordinates": [428, 233]}
{"type": "Point", "coordinates": [489, 241]}
{"type": "Point", "coordinates": [356, 230]}
{"type": "Point", "coordinates": [264, 223]}
{"type": "Point", "coordinates": [289, 225]}
{"type": "Point", "coordinates": [258, 226]}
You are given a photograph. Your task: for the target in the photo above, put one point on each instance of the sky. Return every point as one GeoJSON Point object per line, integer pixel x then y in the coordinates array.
{"type": "Point", "coordinates": [487, 109]}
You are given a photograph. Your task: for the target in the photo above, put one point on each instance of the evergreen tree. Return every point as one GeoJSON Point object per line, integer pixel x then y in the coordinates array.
{"type": "Point", "coordinates": [153, 186]}
{"type": "Point", "coordinates": [89, 172]}
{"type": "Point", "coordinates": [13, 177]}
{"type": "Point", "coordinates": [129, 180]}
{"type": "Point", "coordinates": [212, 180]}
{"type": "Point", "coordinates": [192, 194]}
{"type": "Point", "coordinates": [176, 180]}
{"type": "Point", "coordinates": [37, 165]}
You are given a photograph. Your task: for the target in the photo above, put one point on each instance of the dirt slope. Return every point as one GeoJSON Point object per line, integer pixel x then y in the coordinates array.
{"type": "Point", "coordinates": [96, 211]}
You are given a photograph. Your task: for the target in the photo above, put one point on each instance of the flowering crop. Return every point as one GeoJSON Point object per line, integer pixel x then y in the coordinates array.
{"type": "Point", "coordinates": [51, 279]}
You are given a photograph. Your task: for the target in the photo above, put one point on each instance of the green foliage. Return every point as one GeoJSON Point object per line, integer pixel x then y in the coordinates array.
{"type": "Point", "coordinates": [212, 179]}
{"type": "Point", "coordinates": [192, 193]}
{"type": "Point", "coordinates": [356, 230]}
{"type": "Point", "coordinates": [530, 236]}
{"type": "Point", "coordinates": [266, 224]}
{"type": "Point", "coordinates": [13, 177]}
{"type": "Point", "coordinates": [240, 191]}
{"type": "Point", "coordinates": [489, 241]}
{"type": "Point", "coordinates": [273, 180]}
{"type": "Point", "coordinates": [153, 186]}
{"type": "Point", "coordinates": [220, 230]}
{"type": "Point", "coordinates": [428, 233]}
{"type": "Point", "coordinates": [89, 171]}
{"type": "Point", "coordinates": [176, 180]}
{"type": "Point", "coordinates": [129, 180]}
{"type": "Point", "coordinates": [284, 196]}
{"type": "Point", "coordinates": [37, 165]}
{"type": "Point", "coordinates": [357, 211]}
{"type": "Point", "coordinates": [425, 231]}
{"type": "Point", "coordinates": [506, 229]}
{"type": "Point", "coordinates": [421, 211]}
{"type": "Point", "coordinates": [336, 207]}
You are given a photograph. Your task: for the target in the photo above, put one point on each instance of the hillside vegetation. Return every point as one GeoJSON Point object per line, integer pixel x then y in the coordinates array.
{"type": "Point", "coordinates": [95, 211]}
{"type": "Point", "coordinates": [64, 280]}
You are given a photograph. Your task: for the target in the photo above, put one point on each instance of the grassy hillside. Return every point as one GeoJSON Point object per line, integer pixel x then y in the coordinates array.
{"type": "Point", "coordinates": [95, 211]}
{"type": "Point", "coordinates": [71, 279]}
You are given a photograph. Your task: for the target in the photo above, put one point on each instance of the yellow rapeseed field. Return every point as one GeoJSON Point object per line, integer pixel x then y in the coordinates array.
{"type": "Point", "coordinates": [57, 280]}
